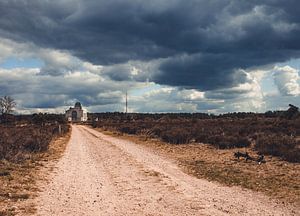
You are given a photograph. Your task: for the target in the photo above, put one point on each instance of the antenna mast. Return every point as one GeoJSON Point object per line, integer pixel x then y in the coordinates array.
{"type": "Point", "coordinates": [126, 103]}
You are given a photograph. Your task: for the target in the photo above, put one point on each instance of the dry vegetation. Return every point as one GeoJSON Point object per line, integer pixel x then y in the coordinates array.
{"type": "Point", "coordinates": [25, 142]}
{"type": "Point", "coordinates": [274, 136]}
{"type": "Point", "coordinates": [271, 136]}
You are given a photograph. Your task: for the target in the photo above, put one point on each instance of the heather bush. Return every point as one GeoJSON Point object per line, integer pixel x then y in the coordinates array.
{"type": "Point", "coordinates": [279, 145]}
{"type": "Point", "coordinates": [128, 130]}
{"type": "Point", "coordinates": [226, 142]}
{"type": "Point", "coordinates": [18, 141]}
{"type": "Point", "coordinates": [176, 136]}
{"type": "Point", "coordinates": [157, 131]}
{"type": "Point", "coordinates": [292, 155]}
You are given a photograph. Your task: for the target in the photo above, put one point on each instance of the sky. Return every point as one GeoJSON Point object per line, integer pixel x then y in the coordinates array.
{"type": "Point", "coordinates": [212, 56]}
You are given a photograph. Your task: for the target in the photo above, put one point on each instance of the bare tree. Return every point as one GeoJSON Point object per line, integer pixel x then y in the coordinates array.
{"type": "Point", "coordinates": [7, 105]}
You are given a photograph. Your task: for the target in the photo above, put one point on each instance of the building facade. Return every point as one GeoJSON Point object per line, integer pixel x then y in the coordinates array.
{"type": "Point", "coordinates": [76, 113]}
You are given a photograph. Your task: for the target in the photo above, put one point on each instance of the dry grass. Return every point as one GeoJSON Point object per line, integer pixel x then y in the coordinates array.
{"type": "Point", "coordinates": [18, 181]}
{"type": "Point", "coordinates": [270, 136]}
{"type": "Point", "coordinates": [276, 178]}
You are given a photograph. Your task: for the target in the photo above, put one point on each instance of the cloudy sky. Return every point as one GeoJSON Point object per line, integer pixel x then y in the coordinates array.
{"type": "Point", "coordinates": [170, 55]}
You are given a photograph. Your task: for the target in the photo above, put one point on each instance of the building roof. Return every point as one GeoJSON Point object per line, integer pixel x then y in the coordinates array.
{"type": "Point", "coordinates": [78, 105]}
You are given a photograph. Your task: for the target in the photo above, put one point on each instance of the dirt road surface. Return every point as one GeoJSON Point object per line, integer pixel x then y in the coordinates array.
{"type": "Point", "coordinates": [103, 175]}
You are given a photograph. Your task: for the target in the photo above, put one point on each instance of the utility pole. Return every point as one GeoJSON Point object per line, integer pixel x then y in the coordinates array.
{"type": "Point", "coordinates": [126, 103]}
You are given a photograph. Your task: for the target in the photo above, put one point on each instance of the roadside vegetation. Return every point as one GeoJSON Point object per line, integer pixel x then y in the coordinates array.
{"type": "Point", "coordinates": [22, 136]}
{"type": "Point", "coordinates": [25, 142]}
{"type": "Point", "coordinates": [272, 133]}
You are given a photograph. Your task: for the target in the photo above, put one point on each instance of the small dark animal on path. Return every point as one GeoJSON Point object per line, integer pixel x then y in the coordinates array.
{"type": "Point", "coordinates": [261, 159]}
{"type": "Point", "coordinates": [243, 155]}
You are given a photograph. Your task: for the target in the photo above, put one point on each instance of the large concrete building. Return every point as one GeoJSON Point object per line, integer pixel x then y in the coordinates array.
{"type": "Point", "coordinates": [76, 113]}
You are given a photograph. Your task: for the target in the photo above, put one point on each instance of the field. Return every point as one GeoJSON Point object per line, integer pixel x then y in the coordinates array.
{"type": "Point", "coordinates": [25, 141]}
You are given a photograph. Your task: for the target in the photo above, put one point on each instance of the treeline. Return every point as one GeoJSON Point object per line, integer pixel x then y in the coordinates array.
{"type": "Point", "coordinates": [23, 135]}
{"type": "Point", "coordinates": [139, 116]}
{"type": "Point", "coordinates": [240, 115]}
{"type": "Point", "coordinates": [37, 118]}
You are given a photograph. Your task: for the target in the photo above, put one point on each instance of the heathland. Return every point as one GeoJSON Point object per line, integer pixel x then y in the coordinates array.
{"type": "Point", "coordinates": [257, 151]}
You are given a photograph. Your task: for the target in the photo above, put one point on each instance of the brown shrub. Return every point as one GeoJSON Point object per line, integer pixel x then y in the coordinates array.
{"type": "Point", "coordinates": [227, 142]}
{"type": "Point", "coordinates": [17, 142]}
{"type": "Point", "coordinates": [278, 145]}
{"type": "Point", "coordinates": [176, 136]}
{"type": "Point", "coordinates": [128, 130]}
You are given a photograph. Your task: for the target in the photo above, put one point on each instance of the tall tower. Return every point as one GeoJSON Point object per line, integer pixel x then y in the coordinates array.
{"type": "Point", "coordinates": [126, 103]}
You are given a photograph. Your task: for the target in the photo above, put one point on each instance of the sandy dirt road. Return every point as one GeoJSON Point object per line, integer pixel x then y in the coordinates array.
{"type": "Point", "coordinates": [102, 175]}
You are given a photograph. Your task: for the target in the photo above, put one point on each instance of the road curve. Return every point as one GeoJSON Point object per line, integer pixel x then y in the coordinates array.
{"type": "Point", "coordinates": [103, 175]}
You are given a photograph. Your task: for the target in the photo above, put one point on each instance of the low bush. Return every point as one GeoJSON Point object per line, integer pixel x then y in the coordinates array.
{"type": "Point", "coordinates": [227, 142]}
{"type": "Point", "coordinates": [176, 136]}
{"type": "Point", "coordinates": [280, 145]}
{"type": "Point", "coordinates": [128, 130]}
{"type": "Point", "coordinates": [16, 142]}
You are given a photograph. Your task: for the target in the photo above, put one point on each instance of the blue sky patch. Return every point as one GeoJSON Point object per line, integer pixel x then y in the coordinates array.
{"type": "Point", "coordinates": [13, 62]}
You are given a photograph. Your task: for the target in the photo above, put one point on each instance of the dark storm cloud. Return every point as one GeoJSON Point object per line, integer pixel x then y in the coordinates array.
{"type": "Point", "coordinates": [205, 72]}
{"type": "Point", "coordinates": [226, 94]}
{"type": "Point", "coordinates": [202, 43]}
{"type": "Point", "coordinates": [208, 71]}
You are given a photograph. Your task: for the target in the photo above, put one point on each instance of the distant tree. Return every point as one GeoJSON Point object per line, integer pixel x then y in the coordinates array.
{"type": "Point", "coordinates": [292, 112]}
{"type": "Point", "coordinates": [7, 105]}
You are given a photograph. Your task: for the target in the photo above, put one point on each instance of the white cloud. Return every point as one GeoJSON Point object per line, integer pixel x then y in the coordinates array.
{"type": "Point", "coordinates": [9, 48]}
{"type": "Point", "coordinates": [191, 94]}
{"type": "Point", "coordinates": [247, 96]}
{"type": "Point", "coordinates": [56, 62]}
{"type": "Point", "coordinates": [92, 68]}
{"type": "Point", "coordinates": [34, 92]}
{"type": "Point", "coordinates": [286, 79]}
